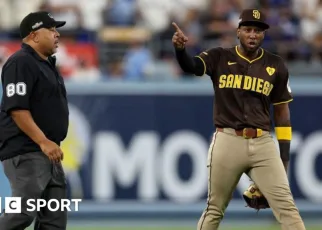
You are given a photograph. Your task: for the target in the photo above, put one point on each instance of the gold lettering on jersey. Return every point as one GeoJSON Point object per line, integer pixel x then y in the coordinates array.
{"type": "Point", "coordinates": [254, 84]}
{"type": "Point", "coordinates": [270, 89]}
{"type": "Point", "coordinates": [238, 81]}
{"type": "Point", "coordinates": [266, 87]}
{"type": "Point", "coordinates": [230, 81]}
{"type": "Point", "coordinates": [245, 82]}
{"type": "Point", "coordinates": [222, 81]}
{"type": "Point", "coordinates": [259, 86]}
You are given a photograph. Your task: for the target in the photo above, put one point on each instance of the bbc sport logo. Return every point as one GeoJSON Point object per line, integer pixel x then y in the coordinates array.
{"type": "Point", "coordinates": [13, 204]}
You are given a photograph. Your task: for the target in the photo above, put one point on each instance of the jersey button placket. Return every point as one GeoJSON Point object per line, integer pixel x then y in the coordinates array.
{"type": "Point", "coordinates": [246, 105]}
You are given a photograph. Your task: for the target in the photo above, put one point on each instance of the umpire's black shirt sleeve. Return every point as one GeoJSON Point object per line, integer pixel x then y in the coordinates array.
{"type": "Point", "coordinates": [17, 85]}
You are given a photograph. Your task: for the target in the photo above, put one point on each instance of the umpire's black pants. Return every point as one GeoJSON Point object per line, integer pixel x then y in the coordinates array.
{"type": "Point", "coordinates": [32, 175]}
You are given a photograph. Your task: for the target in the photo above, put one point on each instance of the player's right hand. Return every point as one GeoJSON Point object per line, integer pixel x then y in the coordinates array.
{"type": "Point", "coordinates": [179, 39]}
{"type": "Point", "coordinates": [52, 150]}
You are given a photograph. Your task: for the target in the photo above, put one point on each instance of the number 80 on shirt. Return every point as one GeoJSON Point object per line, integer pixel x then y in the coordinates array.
{"type": "Point", "coordinates": [20, 89]}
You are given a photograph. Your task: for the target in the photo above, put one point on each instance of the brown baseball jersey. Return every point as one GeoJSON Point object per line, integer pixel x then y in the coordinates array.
{"type": "Point", "coordinates": [245, 89]}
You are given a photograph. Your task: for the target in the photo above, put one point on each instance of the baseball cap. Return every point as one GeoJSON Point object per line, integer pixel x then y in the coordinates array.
{"type": "Point", "coordinates": [38, 20]}
{"type": "Point", "coordinates": [253, 17]}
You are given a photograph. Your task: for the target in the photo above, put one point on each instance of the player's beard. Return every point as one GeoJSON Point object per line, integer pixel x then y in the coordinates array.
{"type": "Point", "coordinates": [251, 50]}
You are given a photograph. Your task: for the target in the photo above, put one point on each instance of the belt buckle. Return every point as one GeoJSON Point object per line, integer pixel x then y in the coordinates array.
{"type": "Point", "coordinates": [259, 132]}
{"type": "Point", "coordinates": [245, 133]}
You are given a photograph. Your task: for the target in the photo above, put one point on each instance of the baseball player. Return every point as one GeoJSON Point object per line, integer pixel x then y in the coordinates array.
{"type": "Point", "coordinates": [247, 79]}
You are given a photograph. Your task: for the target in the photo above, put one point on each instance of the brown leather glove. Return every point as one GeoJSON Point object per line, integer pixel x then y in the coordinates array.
{"type": "Point", "coordinates": [254, 198]}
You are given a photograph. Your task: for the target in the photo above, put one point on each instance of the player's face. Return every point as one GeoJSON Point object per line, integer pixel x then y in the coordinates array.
{"type": "Point", "coordinates": [48, 40]}
{"type": "Point", "coordinates": [250, 37]}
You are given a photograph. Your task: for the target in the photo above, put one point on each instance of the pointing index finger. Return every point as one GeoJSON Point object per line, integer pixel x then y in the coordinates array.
{"type": "Point", "coordinates": [176, 27]}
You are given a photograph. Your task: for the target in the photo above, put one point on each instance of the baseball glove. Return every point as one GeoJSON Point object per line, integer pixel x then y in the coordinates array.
{"type": "Point", "coordinates": [254, 198]}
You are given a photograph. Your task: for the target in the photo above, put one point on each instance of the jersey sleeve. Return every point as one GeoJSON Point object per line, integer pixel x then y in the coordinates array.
{"type": "Point", "coordinates": [210, 59]}
{"type": "Point", "coordinates": [17, 84]}
{"type": "Point", "coordinates": [281, 92]}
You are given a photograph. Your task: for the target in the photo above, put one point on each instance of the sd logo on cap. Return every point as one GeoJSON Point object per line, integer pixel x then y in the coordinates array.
{"type": "Point", "coordinates": [253, 17]}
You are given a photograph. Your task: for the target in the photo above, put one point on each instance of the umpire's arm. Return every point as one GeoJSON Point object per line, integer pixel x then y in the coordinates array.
{"type": "Point", "coordinates": [18, 82]}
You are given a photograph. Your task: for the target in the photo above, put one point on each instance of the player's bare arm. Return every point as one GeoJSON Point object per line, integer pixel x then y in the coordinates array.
{"type": "Point", "coordinates": [25, 122]}
{"type": "Point", "coordinates": [283, 131]}
{"type": "Point", "coordinates": [187, 63]}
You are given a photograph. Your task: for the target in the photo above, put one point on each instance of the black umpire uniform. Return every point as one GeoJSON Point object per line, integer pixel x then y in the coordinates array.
{"type": "Point", "coordinates": [32, 83]}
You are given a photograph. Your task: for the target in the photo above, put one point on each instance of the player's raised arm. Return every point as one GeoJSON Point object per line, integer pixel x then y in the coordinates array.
{"type": "Point", "coordinates": [187, 63]}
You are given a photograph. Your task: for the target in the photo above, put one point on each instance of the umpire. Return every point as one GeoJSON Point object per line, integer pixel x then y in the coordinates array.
{"type": "Point", "coordinates": [33, 122]}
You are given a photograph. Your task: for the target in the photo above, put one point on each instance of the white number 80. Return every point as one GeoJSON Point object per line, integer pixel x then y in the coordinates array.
{"type": "Point", "coordinates": [20, 89]}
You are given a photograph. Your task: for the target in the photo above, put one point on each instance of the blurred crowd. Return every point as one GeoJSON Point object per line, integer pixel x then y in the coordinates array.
{"type": "Point", "coordinates": [131, 39]}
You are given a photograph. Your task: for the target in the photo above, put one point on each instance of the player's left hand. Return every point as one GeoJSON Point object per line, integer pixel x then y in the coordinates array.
{"type": "Point", "coordinates": [254, 198]}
